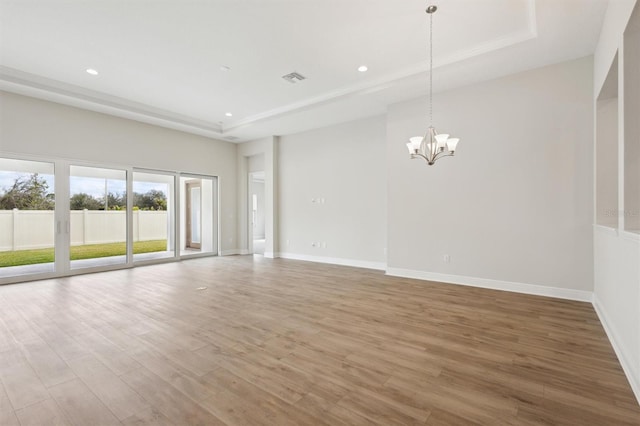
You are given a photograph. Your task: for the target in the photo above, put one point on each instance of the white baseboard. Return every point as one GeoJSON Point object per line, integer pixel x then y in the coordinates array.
{"type": "Point", "coordinates": [538, 290]}
{"type": "Point", "coordinates": [633, 376]}
{"type": "Point", "coordinates": [333, 260]}
{"type": "Point", "coordinates": [232, 252]}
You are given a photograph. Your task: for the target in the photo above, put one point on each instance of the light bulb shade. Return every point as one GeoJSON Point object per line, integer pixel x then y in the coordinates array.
{"type": "Point", "coordinates": [410, 148]}
{"type": "Point", "coordinates": [415, 141]}
{"type": "Point", "coordinates": [452, 144]}
{"type": "Point", "coordinates": [441, 138]}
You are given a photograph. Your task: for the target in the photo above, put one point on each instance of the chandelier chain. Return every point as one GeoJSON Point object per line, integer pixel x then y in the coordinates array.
{"type": "Point", "coordinates": [431, 69]}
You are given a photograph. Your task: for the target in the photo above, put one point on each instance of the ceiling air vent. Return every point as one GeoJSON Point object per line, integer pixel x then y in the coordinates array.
{"type": "Point", "coordinates": [294, 77]}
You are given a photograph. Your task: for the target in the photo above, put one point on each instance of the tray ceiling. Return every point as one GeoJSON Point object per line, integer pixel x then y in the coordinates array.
{"type": "Point", "coordinates": [163, 62]}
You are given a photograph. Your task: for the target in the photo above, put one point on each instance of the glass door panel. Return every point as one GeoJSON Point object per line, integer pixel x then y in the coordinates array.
{"type": "Point", "coordinates": [27, 217]}
{"type": "Point", "coordinates": [194, 210]}
{"type": "Point", "coordinates": [98, 216]}
{"type": "Point", "coordinates": [198, 215]}
{"type": "Point", "coordinates": [153, 216]}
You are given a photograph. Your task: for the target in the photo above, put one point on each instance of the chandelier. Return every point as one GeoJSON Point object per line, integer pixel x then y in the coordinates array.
{"type": "Point", "coordinates": [433, 145]}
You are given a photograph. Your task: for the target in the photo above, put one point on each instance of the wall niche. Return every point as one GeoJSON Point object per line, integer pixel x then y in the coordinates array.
{"type": "Point", "coordinates": [607, 150]}
{"type": "Point", "coordinates": [631, 82]}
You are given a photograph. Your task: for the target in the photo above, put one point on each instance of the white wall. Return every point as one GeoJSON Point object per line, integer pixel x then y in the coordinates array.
{"type": "Point", "coordinates": [617, 253]}
{"type": "Point", "coordinates": [333, 193]}
{"type": "Point", "coordinates": [256, 163]}
{"type": "Point", "coordinates": [48, 130]}
{"type": "Point", "coordinates": [513, 208]}
{"type": "Point", "coordinates": [617, 296]}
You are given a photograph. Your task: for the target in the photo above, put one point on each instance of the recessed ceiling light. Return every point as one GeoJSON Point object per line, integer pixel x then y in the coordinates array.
{"type": "Point", "coordinates": [362, 68]}
{"type": "Point", "coordinates": [225, 68]}
{"type": "Point", "coordinates": [228, 114]}
{"type": "Point", "coordinates": [92, 71]}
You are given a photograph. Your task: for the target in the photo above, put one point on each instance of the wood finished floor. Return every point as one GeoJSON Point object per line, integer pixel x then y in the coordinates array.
{"type": "Point", "coordinates": [283, 342]}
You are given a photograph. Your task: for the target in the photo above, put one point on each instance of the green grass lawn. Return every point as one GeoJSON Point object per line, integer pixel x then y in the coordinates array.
{"type": "Point", "coordinates": [90, 251]}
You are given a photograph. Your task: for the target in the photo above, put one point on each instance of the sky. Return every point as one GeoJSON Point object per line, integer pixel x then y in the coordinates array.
{"type": "Point", "coordinates": [7, 179]}
{"type": "Point", "coordinates": [92, 186]}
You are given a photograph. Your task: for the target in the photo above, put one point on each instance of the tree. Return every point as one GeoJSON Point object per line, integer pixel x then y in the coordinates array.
{"type": "Point", "coordinates": [116, 201]}
{"type": "Point", "coordinates": [28, 193]}
{"type": "Point", "coordinates": [83, 201]}
{"type": "Point", "coordinates": [150, 200]}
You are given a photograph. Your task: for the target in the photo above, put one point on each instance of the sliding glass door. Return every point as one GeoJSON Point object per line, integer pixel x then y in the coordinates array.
{"type": "Point", "coordinates": [27, 217]}
{"type": "Point", "coordinates": [60, 217]}
{"type": "Point", "coordinates": [97, 217]}
{"type": "Point", "coordinates": [154, 203]}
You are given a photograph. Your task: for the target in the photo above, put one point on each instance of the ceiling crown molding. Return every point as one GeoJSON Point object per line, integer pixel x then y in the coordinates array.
{"type": "Point", "coordinates": [23, 83]}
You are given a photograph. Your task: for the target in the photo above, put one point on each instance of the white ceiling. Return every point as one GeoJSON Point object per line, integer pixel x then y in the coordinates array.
{"type": "Point", "coordinates": [160, 61]}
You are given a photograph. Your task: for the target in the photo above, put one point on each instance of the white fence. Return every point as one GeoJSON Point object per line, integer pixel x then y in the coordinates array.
{"type": "Point", "coordinates": [31, 229]}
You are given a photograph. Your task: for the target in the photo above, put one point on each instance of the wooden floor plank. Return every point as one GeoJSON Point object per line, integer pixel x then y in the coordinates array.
{"type": "Point", "coordinates": [49, 367]}
{"type": "Point", "coordinates": [113, 392]}
{"type": "Point", "coordinates": [185, 381]}
{"type": "Point", "coordinates": [41, 413]}
{"type": "Point", "coordinates": [107, 352]}
{"type": "Point", "coordinates": [7, 415]}
{"type": "Point", "coordinates": [282, 342]}
{"type": "Point", "coordinates": [21, 383]}
{"type": "Point", "coordinates": [148, 417]}
{"type": "Point", "coordinates": [80, 405]}
{"type": "Point", "coordinates": [379, 411]}
{"type": "Point", "coordinates": [266, 408]}
{"type": "Point", "coordinates": [169, 401]}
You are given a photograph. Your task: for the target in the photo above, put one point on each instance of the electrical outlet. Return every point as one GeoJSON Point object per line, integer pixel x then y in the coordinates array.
{"type": "Point", "coordinates": [324, 245]}
{"type": "Point", "coordinates": [446, 258]}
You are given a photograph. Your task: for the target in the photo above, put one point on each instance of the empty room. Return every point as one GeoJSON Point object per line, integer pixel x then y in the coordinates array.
{"type": "Point", "coordinates": [319, 212]}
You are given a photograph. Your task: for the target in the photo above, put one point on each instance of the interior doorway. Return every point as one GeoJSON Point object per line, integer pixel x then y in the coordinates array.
{"type": "Point", "coordinates": [256, 203]}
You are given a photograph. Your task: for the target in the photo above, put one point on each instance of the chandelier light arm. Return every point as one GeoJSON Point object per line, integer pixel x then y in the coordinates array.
{"type": "Point", "coordinates": [432, 160]}
{"type": "Point", "coordinates": [443, 154]}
